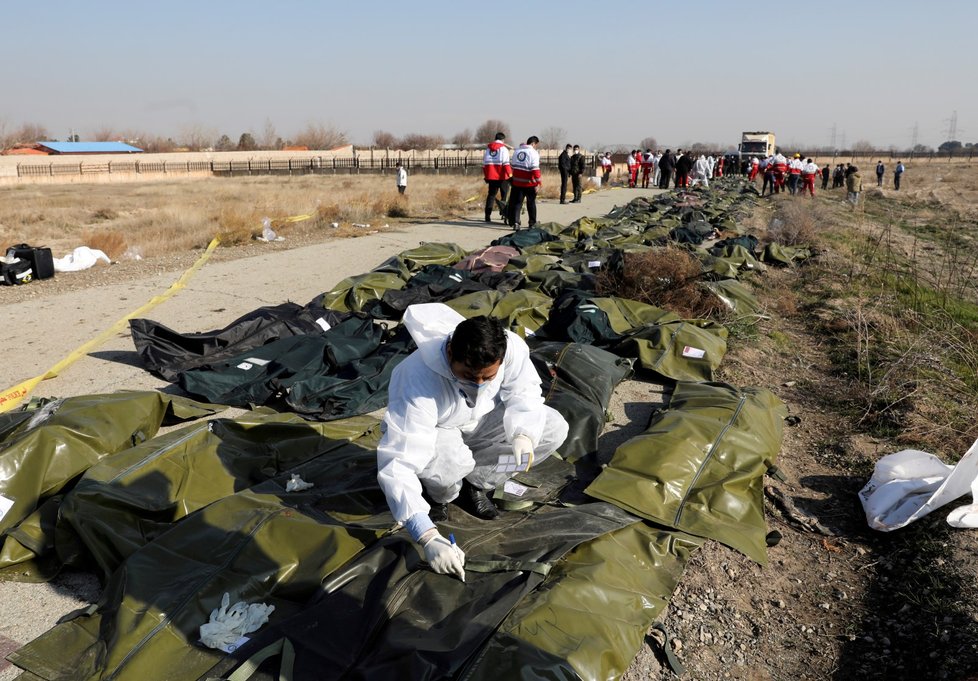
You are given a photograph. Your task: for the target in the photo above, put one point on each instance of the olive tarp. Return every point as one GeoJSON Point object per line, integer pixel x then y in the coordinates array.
{"type": "Point", "coordinates": [42, 456]}
{"type": "Point", "coordinates": [381, 618]}
{"type": "Point", "coordinates": [699, 467]}
{"type": "Point", "coordinates": [127, 500]}
{"type": "Point", "coordinates": [177, 522]}
{"type": "Point", "coordinates": [578, 381]}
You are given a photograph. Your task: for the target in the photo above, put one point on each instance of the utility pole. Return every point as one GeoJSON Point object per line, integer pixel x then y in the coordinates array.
{"type": "Point", "coordinates": [952, 128]}
{"type": "Point", "coordinates": [916, 133]}
{"type": "Point", "coordinates": [832, 143]}
{"type": "Point", "coordinates": [842, 144]}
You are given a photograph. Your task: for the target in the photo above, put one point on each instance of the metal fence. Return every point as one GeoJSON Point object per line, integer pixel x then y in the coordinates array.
{"type": "Point", "coordinates": [366, 161]}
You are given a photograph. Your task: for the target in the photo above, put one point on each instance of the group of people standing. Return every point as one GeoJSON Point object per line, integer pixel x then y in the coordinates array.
{"type": "Point", "coordinates": [897, 174]}
{"type": "Point", "coordinates": [571, 164]}
{"type": "Point", "coordinates": [515, 177]}
{"type": "Point", "coordinates": [658, 168]}
{"type": "Point", "coordinates": [780, 174]}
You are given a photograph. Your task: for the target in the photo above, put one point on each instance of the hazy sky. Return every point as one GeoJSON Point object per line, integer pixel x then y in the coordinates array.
{"type": "Point", "coordinates": [607, 72]}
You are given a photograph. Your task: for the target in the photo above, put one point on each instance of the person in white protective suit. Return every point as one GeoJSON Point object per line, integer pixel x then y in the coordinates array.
{"type": "Point", "coordinates": [465, 413]}
{"type": "Point", "coordinates": [701, 171]}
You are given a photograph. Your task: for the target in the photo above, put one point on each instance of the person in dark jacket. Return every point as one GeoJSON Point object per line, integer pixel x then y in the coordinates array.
{"type": "Point", "coordinates": [564, 166]}
{"type": "Point", "coordinates": [880, 170]}
{"type": "Point", "coordinates": [577, 167]}
{"type": "Point", "coordinates": [684, 164]}
{"type": "Point", "coordinates": [826, 173]}
{"type": "Point", "coordinates": [666, 165]}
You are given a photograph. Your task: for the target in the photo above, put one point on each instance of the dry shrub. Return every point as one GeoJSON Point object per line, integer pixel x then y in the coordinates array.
{"type": "Point", "coordinates": [447, 199]}
{"type": "Point", "coordinates": [104, 213]}
{"type": "Point", "coordinates": [797, 223]}
{"type": "Point", "coordinates": [665, 277]}
{"type": "Point", "coordinates": [236, 226]}
{"type": "Point", "coordinates": [326, 214]}
{"type": "Point", "coordinates": [399, 208]}
{"type": "Point", "coordinates": [112, 243]}
{"type": "Point", "coordinates": [169, 230]}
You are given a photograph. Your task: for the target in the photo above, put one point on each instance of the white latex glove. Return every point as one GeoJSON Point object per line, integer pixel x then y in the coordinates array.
{"type": "Point", "coordinates": [523, 451]}
{"type": "Point", "coordinates": [444, 557]}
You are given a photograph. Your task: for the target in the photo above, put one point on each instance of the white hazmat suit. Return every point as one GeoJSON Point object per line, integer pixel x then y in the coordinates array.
{"type": "Point", "coordinates": [439, 429]}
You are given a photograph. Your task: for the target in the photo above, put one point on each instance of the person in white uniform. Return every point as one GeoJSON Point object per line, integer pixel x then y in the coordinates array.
{"type": "Point", "coordinates": [465, 413]}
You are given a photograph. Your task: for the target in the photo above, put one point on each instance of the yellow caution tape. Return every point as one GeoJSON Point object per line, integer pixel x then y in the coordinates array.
{"type": "Point", "coordinates": [294, 218]}
{"type": "Point", "coordinates": [11, 397]}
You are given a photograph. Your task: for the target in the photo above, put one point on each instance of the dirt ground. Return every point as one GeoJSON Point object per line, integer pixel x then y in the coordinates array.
{"type": "Point", "coordinates": [835, 601]}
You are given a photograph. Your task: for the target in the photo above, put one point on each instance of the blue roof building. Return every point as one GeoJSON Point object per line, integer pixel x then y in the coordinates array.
{"type": "Point", "coordinates": [88, 148]}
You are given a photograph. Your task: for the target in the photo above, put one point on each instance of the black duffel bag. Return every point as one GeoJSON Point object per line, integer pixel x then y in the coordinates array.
{"type": "Point", "coordinates": [15, 273]}
{"type": "Point", "coordinates": [40, 259]}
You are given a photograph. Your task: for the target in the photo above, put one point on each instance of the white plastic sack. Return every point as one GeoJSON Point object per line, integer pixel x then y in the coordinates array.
{"type": "Point", "coordinates": [910, 484]}
{"type": "Point", "coordinates": [81, 258]}
{"type": "Point", "coordinates": [228, 625]}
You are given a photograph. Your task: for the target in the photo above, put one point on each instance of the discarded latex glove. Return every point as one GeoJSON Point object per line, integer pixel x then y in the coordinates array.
{"type": "Point", "coordinates": [523, 451]}
{"type": "Point", "coordinates": [82, 258]}
{"type": "Point", "coordinates": [297, 484]}
{"type": "Point", "coordinates": [228, 625]}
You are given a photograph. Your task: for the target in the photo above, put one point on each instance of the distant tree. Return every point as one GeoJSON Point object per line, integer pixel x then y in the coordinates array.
{"type": "Point", "coordinates": [268, 137]}
{"type": "Point", "coordinates": [196, 137]}
{"type": "Point", "coordinates": [649, 143]}
{"type": "Point", "coordinates": [462, 138]}
{"type": "Point", "coordinates": [922, 149]}
{"type": "Point", "coordinates": [223, 143]}
{"type": "Point", "coordinates": [280, 143]}
{"type": "Point", "coordinates": [950, 146]}
{"type": "Point", "coordinates": [106, 134]}
{"type": "Point", "coordinates": [27, 133]}
{"type": "Point", "coordinates": [153, 144]}
{"type": "Point", "coordinates": [417, 140]}
{"type": "Point", "coordinates": [321, 136]}
{"type": "Point", "coordinates": [384, 139]}
{"type": "Point", "coordinates": [247, 142]}
{"type": "Point", "coordinates": [553, 138]}
{"type": "Point", "coordinates": [863, 145]}
{"type": "Point", "coordinates": [487, 131]}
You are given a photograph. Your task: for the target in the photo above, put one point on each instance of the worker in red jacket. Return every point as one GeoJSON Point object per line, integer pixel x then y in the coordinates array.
{"type": "Point", "coordinates": [526, 180]}
{"type": "Point", "coordinates": [633, 166]}
{"type": "Point", "coordinates": [497, 172]}
{"type": "Point", "coordinates": [648, 162]}
{"type": "Point", "coordinates": [780, 170]}
{"type": "Point", "coordinates": [809, 172]}
{"type": "Point", "coordinates": [755, 166]}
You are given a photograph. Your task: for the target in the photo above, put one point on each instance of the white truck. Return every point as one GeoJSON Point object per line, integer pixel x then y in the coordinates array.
{"type": "Point", "coordinates": [758, 143]}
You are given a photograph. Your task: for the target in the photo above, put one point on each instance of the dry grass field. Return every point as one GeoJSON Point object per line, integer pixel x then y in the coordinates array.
{"type": "Point", "coordinates": [156, 218]}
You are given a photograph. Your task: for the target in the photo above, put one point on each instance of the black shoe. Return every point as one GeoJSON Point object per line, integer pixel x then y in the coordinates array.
{"type": "Point", "coordinates": [488, 219]}
{"type": "Point", "coordinates": [438, 513]}
{"type": "Point", "coordinates": [477, 502]}
{"type": "Point", "coordinates": [565, 202]}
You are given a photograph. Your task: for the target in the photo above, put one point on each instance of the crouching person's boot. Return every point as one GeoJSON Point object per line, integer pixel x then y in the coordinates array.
{"type": "Point", "coordinates": [477, 502]}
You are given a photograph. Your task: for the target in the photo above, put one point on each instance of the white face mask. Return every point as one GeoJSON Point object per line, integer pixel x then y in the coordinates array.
{"type": "Point", "coordinates": [470, 390]}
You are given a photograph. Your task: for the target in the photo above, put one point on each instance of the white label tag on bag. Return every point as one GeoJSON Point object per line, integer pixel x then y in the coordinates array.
{"type": "Point", "coordinates": [323, 324]}
{"type": "Point", "coordinates": [694, 353]}
{"type": "Point", "coordinates": [251, 362]}
{"type": "Point", "coordinates": [514, 488]}
{"type": "Point", "coordinates": [594, 263]}
{"type": "Point", "coordinates": [5, 505]}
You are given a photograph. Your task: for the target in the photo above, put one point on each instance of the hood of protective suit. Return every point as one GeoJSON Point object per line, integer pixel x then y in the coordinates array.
{"type": "Point", "coordinates": [430, 324]}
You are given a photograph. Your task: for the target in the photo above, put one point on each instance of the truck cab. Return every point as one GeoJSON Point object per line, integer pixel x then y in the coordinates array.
{"type": "Point", "coordinates": [758, 143]}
